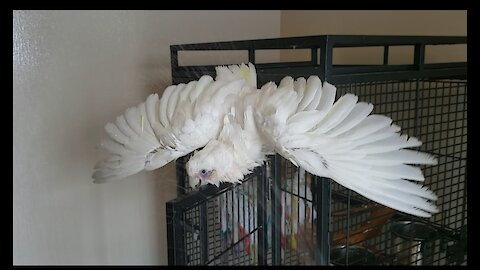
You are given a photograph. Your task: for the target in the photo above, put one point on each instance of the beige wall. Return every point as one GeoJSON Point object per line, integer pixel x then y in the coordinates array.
{"type": "Point", "coordinates": [73, 72]}
{"type": "Point", "coordinates": [378, 22]}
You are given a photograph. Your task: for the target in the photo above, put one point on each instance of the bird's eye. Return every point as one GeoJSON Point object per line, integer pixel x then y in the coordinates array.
{"type": "Point", "coordinates": [204, 173]}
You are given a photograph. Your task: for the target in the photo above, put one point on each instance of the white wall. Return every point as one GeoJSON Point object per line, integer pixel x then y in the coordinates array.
{"type": "Point", "coordinates": [73, 72]}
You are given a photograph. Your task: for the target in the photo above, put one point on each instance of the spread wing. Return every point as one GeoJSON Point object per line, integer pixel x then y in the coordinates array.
{"type": "Point", "coordinates": [341, 140]}
{"type": "Point", "coordinates": [159, 130]}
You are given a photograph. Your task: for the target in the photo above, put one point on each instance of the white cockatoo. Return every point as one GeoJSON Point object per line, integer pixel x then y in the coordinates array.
{"type": "Point", "coordinates": [238, 124]}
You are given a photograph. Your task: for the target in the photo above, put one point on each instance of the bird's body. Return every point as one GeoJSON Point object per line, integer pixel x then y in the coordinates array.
{"type": "Point", "coordinates": [238, 125]}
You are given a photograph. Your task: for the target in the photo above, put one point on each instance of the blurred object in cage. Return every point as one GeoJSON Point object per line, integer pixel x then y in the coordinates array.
{"type": "Point", "coordinates": [356, 239]}
{"type": "Point", "coordinates": [379, 216]}
{"type": "Point", "coordinates": [413, 244]}
{"type": "Point", "coordinates": [456, 250]}
{"type": "Point", "coordinates": [352, 255]}
{"type": "Point", "coordinates": [298, 212]}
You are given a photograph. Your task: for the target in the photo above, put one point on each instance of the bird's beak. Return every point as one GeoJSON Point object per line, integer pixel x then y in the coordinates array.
{"type": "Point", "coordinates": [197, 186]}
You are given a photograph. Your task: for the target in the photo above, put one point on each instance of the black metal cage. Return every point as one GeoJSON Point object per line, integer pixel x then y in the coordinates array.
{"type": "Point", "coordinates": [281, 215]}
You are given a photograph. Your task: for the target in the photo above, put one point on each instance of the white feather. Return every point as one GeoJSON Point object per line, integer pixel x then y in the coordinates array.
{"type": "Point", "coordinates": [389, 144]}
{"type": "Point", "coordinates": [164, 103]}
{"type": "Point", "coordinates": [238, 125]}
{"type": "Point", "coordinates": [360, 151]}
{"type": "Point", "coordinates": [115, 133]}
{"type": "Point", "coordinates": [308, 93]}
{"type": "Point", "coordinates": [134, 120]}
{"type": "Point", "coordinates": [145, 123]}
{"type": "Point", "coordinates": [172, 102]}
{"type": "Point", "coordinates": [337, 113]}
{"type": "Point", "coordinates": [327, 98]}
{"type": "Point", "coordinates": [404, 156]}
{"type": "Point", "coordinates": [185, 94]}
{"type": "Point", "coordinates": [288, 82]}
{"type": "Point", "coordinates": [368, 126]}
{"type": "Point", "coordinates": [304, 121]}
{"type": "Point", "coordinates": [314, 84]}
{"type": "Point", "coordinates": [359, 113]}
{"type": "Point", "coordinates": [124, 127]}
{"type": "Point", "coordinates": [394, 199]}
{"type": "Point", "coordinates": [114, 147]}
{"type": "Point", "coordinates": [202, 83]}
{"type": "Point", "coordinates": [152, 107]}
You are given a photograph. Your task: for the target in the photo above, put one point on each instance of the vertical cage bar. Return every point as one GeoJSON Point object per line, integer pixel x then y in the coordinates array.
{"type": "Point", "coordinates": [326, 51]}
{"type": "Point", "coordinates": [323, 188]}
{"type": "Point", "coordinates": [174, 63]}
{"type": "Point", "coordinates": [385, 55]}
{"type": "Point", "coordinates": [322, 252]}
{"type": "Point", "coordinates": [464, 202]}
{"type": "Point", "coordinates": [251, 56]}
{"type": "Point", "coordinates": [314, 55]}
{"type": "Point", "coordinates": [180, 168]}
{"type": "Point", "coordinates": [261, 215]}
{"type": "Point", "coordinates": [175, 234]}
{"type": "Point", "coordinates": [417, 109]}
{"type": "Point", "coordinates": [347, 235]}
{"type": "Point", "coordinates": [419, 56]}
{"type": "Point", "coordinates": [203, 233]}
{"type": "Point", "coordinates": [276, 212]}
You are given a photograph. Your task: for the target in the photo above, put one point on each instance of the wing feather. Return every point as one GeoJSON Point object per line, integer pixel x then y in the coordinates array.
{"type": "Point", "coordinates": [315, 84]}
{"type": "Point", "coordinates": [163, 105]}
{"type": "Point", "coordinates": [153, 133]}
{"type": "Point", "coordinates": [342, 141]}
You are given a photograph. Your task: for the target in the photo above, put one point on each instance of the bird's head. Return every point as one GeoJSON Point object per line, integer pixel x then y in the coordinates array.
{"type": "Point", "coordinates": [211, 165]}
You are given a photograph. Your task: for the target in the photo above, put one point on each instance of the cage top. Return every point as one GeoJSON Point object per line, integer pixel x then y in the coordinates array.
{"type": "Point", "coordinates": [323, 66]}
{"type": "Point", "coordinates": [317, 40]}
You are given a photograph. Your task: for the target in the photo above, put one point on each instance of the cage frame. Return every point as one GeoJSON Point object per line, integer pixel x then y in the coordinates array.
{"type": "Point", "coordinates": [324, 68]}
